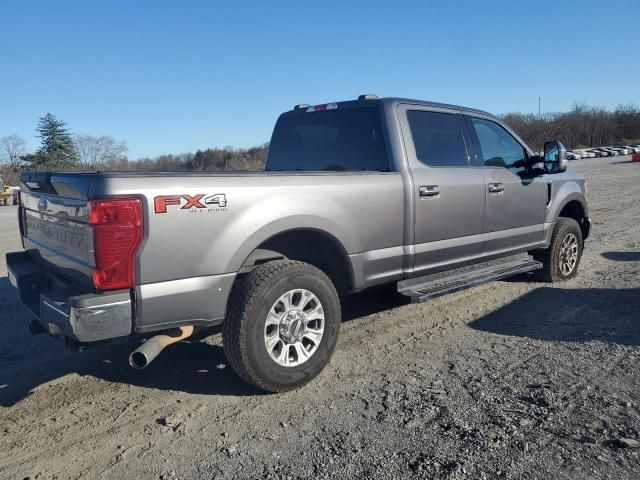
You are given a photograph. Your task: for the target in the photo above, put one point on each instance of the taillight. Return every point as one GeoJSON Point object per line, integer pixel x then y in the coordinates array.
{"type": "Point", "coordinates": [117, 233]}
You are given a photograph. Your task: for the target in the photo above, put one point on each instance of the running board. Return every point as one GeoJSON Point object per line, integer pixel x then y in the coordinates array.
{"type": "Point", "coordinates": [436, 284]}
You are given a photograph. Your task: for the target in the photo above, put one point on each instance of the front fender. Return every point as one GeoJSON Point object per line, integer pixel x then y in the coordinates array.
{"type": "Point", "coordinates": [566, 193]}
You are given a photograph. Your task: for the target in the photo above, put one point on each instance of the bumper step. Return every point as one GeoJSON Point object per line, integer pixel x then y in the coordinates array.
{"type": "Point", "coordinates": [80, 315]}
{"type": "Point", "coordinates": [430, 286]}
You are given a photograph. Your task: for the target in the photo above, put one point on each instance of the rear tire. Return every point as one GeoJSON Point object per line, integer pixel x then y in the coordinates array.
{"type": "Point", "coordinates": [270, 344]}
{"type": "Point", "coordinates": [561, 260]}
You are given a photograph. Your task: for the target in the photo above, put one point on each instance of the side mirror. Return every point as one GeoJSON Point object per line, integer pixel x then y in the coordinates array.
{"type": "Point", "coordinates": [555, 157]}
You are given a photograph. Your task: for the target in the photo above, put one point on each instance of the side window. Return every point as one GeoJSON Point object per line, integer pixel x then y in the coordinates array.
{"type": "Point", "coordinates": [498, 147]}
{"type": "Point", "coordinates": [437, 139]}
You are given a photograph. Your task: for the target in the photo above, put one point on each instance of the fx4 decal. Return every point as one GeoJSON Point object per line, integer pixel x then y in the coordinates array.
{"type": "Point", "coordinates": [219, 199]}
{"type": "Point", "coordinates": [213, 203]}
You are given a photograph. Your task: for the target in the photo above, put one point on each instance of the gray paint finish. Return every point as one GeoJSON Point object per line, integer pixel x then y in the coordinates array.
{"type": "Point", "coordinates": [196, 300]}
{"type": "Point", "coordinates": [189, 258]}
{"type": "Point", "coordinates": [362, 211]}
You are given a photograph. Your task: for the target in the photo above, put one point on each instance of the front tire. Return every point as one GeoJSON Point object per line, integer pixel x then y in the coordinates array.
{"type": "Point", "coordinates": [561, 260]}
{"type": "Point", "coordinates": [282, 325]}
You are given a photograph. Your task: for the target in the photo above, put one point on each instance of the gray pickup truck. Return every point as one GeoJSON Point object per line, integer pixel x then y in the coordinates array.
{"type": "Point", "coordinates": [433, 197]}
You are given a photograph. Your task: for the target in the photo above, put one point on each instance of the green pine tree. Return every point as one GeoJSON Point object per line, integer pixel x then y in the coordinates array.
{"type": "Point", "coordinates": [57, 151]}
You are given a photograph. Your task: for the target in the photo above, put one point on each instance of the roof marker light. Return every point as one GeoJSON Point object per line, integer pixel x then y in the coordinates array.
{"type": "Point", "coordinates": [323, 107]}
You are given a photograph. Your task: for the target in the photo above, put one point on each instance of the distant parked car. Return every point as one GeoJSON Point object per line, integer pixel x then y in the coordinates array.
{"type": "Point", "coordinates": [587, 154]}
{"type": "Point", "coordinates": [573, 155]}
{"type": "Point", "coordinates": [600, 152]}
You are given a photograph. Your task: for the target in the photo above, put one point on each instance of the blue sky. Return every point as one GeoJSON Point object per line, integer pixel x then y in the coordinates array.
{"type": "Point", "coordinates": [172, 77]}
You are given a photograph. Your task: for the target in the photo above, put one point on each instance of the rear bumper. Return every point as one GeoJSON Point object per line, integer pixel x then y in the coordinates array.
{"type": "Point", "coordinates": [64, 310]}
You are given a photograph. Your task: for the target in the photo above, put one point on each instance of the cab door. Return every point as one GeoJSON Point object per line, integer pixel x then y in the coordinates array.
{"type": "Point", "coordinates": [448, 193]}
{"type": "Point", "coordinates": [515, 200]}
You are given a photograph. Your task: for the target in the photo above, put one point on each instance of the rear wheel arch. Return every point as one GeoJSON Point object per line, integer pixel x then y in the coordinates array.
{"type": "Point", "coordinates": [313, 246]}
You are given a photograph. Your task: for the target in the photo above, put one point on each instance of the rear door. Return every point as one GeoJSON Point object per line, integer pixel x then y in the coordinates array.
{"type": "Point", "coordinates": [515, 201]}
{"type": "Point", "coordinates": [448, 192]}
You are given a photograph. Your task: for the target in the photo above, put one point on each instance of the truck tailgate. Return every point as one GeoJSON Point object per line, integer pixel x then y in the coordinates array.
{"type": "Point", "coordinates": [53, 213]}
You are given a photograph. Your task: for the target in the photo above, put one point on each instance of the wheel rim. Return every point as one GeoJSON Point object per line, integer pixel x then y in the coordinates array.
{"type": "Point", "coordinates": [568, 257]}
{"type": "Point", "coordinates": [294, 328]}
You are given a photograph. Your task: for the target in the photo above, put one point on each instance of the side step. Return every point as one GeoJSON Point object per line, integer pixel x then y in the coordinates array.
{"type": "Point", "coordinates": [436, 284]}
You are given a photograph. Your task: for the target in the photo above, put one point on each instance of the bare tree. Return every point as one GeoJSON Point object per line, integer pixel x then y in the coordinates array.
{"type": "Point", "coordinates": [582, 126]}
{"type": "Point", "coordinates": [12, 147]}
{"type": "Point", "coordinates": [98, 151]}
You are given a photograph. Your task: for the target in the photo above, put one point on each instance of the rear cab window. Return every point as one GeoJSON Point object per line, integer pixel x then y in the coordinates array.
{"type": "Point", "coordinates": [341, 139]}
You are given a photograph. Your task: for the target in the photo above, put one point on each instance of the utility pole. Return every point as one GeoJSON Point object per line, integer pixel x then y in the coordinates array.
{"type": "Point", "coordinates": [539, 110]}
{"type": "Point", "coordinates": [539, 125]}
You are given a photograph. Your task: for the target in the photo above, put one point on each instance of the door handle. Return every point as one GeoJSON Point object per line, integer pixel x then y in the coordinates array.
{"type": "Point", "coordinates": [496, 188]}
{"type": "Point", "coordinates": [429, 191]}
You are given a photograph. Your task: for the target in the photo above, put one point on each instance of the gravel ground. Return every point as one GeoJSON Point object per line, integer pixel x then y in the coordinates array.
{"type": "Point", "coordinates": [9, 235]}
{"type": "Point", "coordinates": [514, 379]}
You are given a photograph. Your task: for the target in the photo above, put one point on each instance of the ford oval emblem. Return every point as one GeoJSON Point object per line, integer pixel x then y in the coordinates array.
{"type": "Point", "coordinates": [42, 204]}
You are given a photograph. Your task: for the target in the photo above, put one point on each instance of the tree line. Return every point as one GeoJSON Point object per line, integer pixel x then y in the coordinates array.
{"type": "Point", "coordinates": [61, 150]}
{"type": "Point", "coordinates": [583, 126]}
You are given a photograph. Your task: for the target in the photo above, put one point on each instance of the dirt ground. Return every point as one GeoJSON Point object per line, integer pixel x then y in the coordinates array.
{"type": "Point", "coordinates": [514, 379]}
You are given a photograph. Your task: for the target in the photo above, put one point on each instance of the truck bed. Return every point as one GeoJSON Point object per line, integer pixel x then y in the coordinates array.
{"type": "Point", "coordinates": [192, 251]}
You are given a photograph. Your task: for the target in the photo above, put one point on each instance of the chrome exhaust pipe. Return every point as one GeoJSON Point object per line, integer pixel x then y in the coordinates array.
{"type": "Point", "coordinates": [149, 350]}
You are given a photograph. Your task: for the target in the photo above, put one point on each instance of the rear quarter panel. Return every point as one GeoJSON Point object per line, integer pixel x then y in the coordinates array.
{"type": "Point", "coordinates": [363, 211]}
{"type": "Point", "coordinates": [188, 261]}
